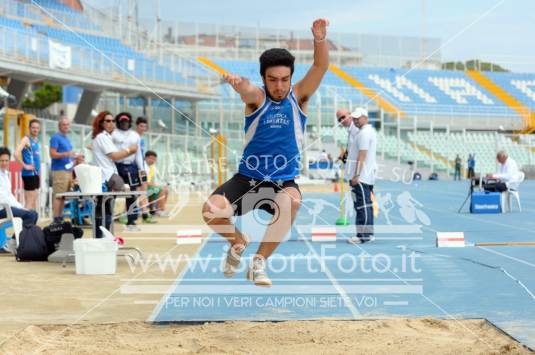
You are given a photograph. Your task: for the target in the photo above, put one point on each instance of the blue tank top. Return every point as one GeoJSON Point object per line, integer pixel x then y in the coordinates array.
{"type": "Point", "coordinates": [142, 146]}
{"type": "Point", "coordinates": [32, 155]}
{"type": "Point", "coordinates": [273, 138]}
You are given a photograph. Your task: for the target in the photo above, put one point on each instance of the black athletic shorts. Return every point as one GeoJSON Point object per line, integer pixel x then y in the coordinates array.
{"type": "Point", "coordinates": [246, 194]}
{"type": "Point", "coordinates": [129, 173]}
{"type": "Point", "coordinates": [31, 183]}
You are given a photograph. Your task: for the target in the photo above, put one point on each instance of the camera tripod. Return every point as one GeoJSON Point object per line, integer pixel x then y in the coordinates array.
{"type": "Point", "coordinates": [469, 195]}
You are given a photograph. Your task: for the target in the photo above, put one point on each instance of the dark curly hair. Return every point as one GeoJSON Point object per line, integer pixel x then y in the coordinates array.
{"type": "Point", "coordinates": [276, 57]}
{"type": "Point", "coordinates": [4, 151]}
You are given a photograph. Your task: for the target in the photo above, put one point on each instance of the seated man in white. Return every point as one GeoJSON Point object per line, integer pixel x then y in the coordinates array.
{"type": "Point", "coordinates": [508, 175]}
{"type": "Point", "coordinates": [7, 200]}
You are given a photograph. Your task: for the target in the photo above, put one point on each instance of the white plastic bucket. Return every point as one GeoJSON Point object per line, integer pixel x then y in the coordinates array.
{"type": "Point", "coordinates": [95, 256]}
{"type": "Point", "coordinates": [89, 178]}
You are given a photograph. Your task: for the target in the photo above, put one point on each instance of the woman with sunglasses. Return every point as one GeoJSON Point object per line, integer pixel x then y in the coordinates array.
{"type": "Point", "coordinates": [105, 153]}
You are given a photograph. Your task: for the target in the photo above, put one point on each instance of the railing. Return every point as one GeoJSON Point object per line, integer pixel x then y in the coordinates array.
{"type": "Point", "coordinates": [33, 49]}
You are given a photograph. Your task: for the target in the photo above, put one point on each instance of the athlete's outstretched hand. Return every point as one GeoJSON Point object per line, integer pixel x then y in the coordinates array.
{"type": "Point", "coordinates": [234, 80]}
{"type": "Point", "coordinates": [319, 29]}
{"type": "Point", "coordinates": [250, 94]}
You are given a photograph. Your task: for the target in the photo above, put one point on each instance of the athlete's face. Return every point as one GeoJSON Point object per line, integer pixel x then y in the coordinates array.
{"type": "Point", "coordinates": [34, 129]}
{"type": "Point", "coordinates": [278, 81]}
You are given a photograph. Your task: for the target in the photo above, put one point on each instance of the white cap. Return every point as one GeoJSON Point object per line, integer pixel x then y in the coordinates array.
{"type": "Point", "coordinates": [359, 111]}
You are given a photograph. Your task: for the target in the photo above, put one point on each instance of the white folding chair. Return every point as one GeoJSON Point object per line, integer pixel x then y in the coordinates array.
{"type": "Point", "coordinates": [514, 192]}
{"type": "Point", "coordinates": [16, 223]}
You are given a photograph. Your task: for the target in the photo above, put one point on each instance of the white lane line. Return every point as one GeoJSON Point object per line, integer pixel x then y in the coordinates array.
{"type": "Point", "coordinates": [347, 300]}
{"type": "Point", "coordinates": [173, 285]}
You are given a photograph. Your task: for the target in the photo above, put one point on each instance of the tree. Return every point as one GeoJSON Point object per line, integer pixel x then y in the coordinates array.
{"type": "Point", "coordinates": [473, 64]}
{"type": "Point", "coordinates": [43, 97]}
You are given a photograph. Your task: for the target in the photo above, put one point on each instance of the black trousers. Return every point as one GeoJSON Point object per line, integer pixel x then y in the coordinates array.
{"type": "Point", "coordinates": [101, 220]}
{"type": "Point", "coordinates": [130, 175]}
{"type": "Point", "coordinates": [362, 202]}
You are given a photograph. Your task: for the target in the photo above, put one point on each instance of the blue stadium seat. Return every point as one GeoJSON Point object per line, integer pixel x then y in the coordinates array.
{"type": "Point", "coordinates": [417, 91]}
{"type": "Point", "coordinates": [519, 85]}
{"type": "Point", "coordinates": [90, 56]}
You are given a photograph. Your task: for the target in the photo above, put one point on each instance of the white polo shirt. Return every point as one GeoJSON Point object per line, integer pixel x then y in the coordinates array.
{"type": "Point", "coordinates": [352, 151]}
{"type": "Point", "coordinates": [5, 191]}
{"type": "Point", "coordinates": [102, 146]}
{"type": "Point", "coordinates": [125, 139]}
{"type": "Point", "coordinates": [367, 140]}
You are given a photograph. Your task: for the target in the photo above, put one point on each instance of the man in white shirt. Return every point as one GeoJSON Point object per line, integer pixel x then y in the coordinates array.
{"type": "Point", "coordinates": [343, 116]}
{"type": "Point", "coordinates": [349, 157]}
{"type": "Point", "coordinates": [29, 217]}
{"type": "Point", "coordinates": [362, 176]}
{"type": "Point", "coordinates": [508, 175]}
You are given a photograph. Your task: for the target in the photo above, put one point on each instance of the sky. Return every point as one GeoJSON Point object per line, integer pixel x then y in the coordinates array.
{"type": "Point", "coordinates": [501, 31]}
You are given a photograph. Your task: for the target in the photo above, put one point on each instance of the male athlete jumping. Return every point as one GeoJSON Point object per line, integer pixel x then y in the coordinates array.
{"type": "Point", "coordinates": [275, 117]}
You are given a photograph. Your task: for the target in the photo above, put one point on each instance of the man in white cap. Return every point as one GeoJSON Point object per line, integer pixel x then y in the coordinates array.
{"type": "Point", "coordinates": [362, 175]}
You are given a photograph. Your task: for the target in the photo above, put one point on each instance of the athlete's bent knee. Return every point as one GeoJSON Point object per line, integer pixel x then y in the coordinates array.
{"type": "Point", "coordinates": [216, 207]}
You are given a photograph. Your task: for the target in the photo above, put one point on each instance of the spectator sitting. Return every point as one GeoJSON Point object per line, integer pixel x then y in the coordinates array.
{"type": "Point", "coordinates": [155, 192]}
{"type": "Point", "coordinates": [507, 176]}
{"type": "Point", "coordinates": [29, 217]}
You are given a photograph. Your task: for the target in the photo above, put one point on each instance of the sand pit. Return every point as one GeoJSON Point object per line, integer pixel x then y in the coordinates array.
{"type": "Point", "coordinates": [46, 296]}
{"type": "Point", "coordinates": [396, 335]}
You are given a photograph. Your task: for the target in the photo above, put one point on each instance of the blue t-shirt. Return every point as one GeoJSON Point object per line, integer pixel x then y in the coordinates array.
{"type": "Point", "coordinates": [62, 144]}
{"type": "Point", "coordinates": [273, 137]}
{"type": "Point", "coordinates": [471, 163]}
{"type": "Point", "coordinates": [32, 155]}
{"type": "Point", "coordinates": [142, 146]}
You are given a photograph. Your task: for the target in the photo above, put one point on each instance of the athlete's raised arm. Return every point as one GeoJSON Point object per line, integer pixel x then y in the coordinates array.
{"type": "Point", "coordinates": [311, 81]}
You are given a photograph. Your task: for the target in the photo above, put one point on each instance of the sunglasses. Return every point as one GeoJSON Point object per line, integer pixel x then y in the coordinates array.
{"type": "Point", "coordinates": [108, 121]}
{"type": "Point", "coordinates": [341, 118]}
